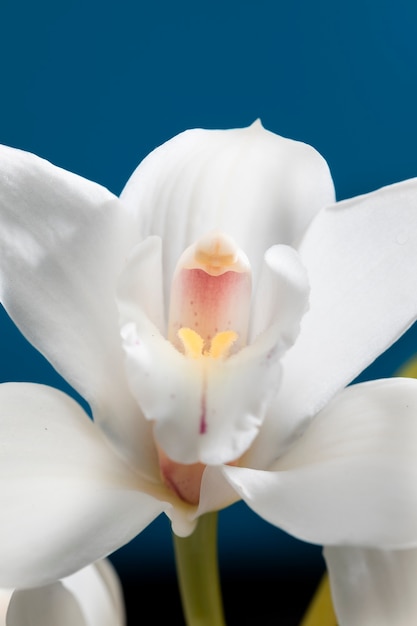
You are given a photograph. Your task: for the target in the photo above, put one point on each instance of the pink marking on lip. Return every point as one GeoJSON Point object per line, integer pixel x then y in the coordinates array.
{"type": "Point", "coordinates": [183, 480]}
{"type": "Point", "coordinates": [203, 421]}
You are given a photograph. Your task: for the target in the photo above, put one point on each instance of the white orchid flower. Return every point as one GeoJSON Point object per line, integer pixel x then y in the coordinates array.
{"type": "Point", "coordinates": [211, 316]}
{"type": "Point", "coordinates": [90, 597]}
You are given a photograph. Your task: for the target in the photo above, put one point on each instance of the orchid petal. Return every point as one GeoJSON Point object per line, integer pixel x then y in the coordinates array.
{"type": "Point", "coordinates": [62, 486]}
{"type": "Point", "coordinates": [216, 493]}
{"type": "Point", "coordinates": [167, 385]}
{"type": "Point", "coordinates": [49, 606]}
{"type": "Point", "coordinates": [360, 257]}
{"type": "Point", "coordinates": [90, 597]}
{"type": "Point", "coordinates": [258, 187]}
{"type": "Point", "coordinates": [109, 576]}
{"type": "Point", "coordinates": [99, 594]}
{"type": "Point", "coordinates": [373, 587]}
{"type": "Point", "coordinates": [5, 596]}
{"type": "Point", "coordinates": [351, 478]}
{"type": "Point", "coordinates": [66, 238]}
{"type": "Point", "coordinates": [282, 295]}
{"type": "Point", "coordinates": [140, 284]}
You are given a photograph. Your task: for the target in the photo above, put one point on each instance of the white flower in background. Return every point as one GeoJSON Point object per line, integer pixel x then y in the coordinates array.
{"type": "Point", "coordinates": [373, 587]}
{"type": "Point", "coordinates": [90, 597]}
{"type": "Point", "coordinates": [211, 316]}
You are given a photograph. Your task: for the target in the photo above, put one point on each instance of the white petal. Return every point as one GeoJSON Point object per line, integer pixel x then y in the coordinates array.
{"type": "Point", "coordinates": [257, 187]}
{"type": "Point", "coordinates": [67, 499]}
{"type": "Point", "coordinates": [5, 596]}
{"type": "Point", "coordinates": [282, 295]}
{"type": "Point", "coordinates": [216, 492]}
{"type": "Point", "coordinates": [63, 240]}
{"type": "Point", "coordinates": [280, 303]}
{"type": "Point", "coordinates": [360, 257]}
{"type": "Point", "coordinates": [91, 597]}
{"type": "Point", "coordinates": [45, 606]}
{"type": "Point", "coordinates": [373, 587]}
{"type": "Point", "coordinates": [351, 478]}
{"type": "Point", "coordinates": [99, 594]}
{"type": "Point", "coordinates": [140, 284]}
{"type": "Point", "coordinates": [167, 385]}
{"type": "Point", "coordinates": [110, 578]}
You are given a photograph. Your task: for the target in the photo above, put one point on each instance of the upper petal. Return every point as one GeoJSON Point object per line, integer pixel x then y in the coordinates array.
{"type": "Point", "coordinates": [360, 257]}
{"type": "Point", "coordinates": [373, 587]}
{"type": "Point", "coordinates": [63, 240]}
{"type": "Point", "coordinates": [256, 186]}
{"type": "Point", "coordinates": [351, 477]}
{"type": "Point", "coordinates": [67, 499]}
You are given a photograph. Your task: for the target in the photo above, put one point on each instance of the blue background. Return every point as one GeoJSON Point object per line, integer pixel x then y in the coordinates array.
{"type": "Point", "coordinates": [95, 86]}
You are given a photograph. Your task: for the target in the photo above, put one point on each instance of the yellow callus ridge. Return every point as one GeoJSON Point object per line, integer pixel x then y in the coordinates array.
{"type": "Point", "coordinates": [221, 344]}
{"type": "Point", "coordinates": [194, 344]}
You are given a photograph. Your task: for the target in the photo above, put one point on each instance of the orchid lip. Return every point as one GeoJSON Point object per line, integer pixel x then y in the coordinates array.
{"type": "Point", "coordinates": [205, 388]}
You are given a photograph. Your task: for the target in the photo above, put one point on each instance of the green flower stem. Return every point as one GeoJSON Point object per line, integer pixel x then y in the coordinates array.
{"type": "Point", "coordinates": [198, 574]}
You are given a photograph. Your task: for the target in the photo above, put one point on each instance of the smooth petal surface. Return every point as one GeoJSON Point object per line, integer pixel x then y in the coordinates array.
{"type": "Point", "coordinates": [5, 595]}
{"type": "Point", "coordinates": [140, 284]}
{"type": "Point", "coordinates": [210, 409]}
{"type": "Point", "coordinates": [351, 479]}
{"type": "Point", "coordinates": [109, 576]}
{"type": "Point", "coordinates": [98, 592]}
{"type": "Point", "coordinates": [360, 257]}
{"type": "Point", "coordinates": [67, 499]}
{"type": "Point", "coordinates": [90, 597]}
{"type": "Point", "coordinates": [373, 587]}
{"type": "Point", "coordinates": [216, 492]}
{"type": "Point", "coordinates": [63, 240]}
{"type": "Point", "coordinates": [257, 187]}
{"type": "Point", "coordinates": [46, 606]}
{"type": "Point", "coordinates": [282, 294]}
